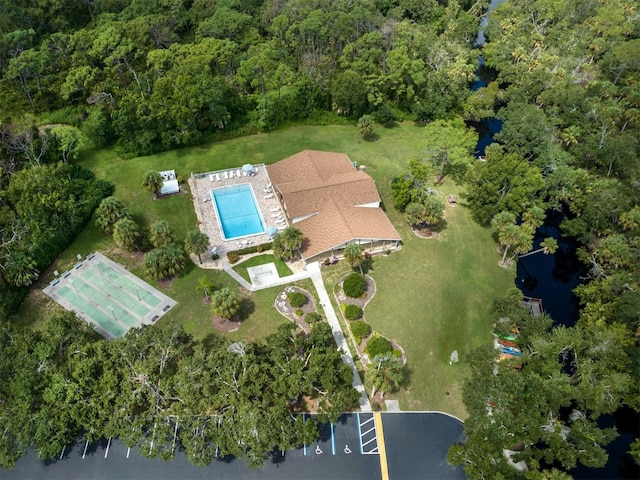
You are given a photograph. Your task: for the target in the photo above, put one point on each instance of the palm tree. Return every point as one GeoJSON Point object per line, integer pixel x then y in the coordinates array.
{"type": "Point", "coordinates": [204, 286]}
{"type": "Point", "coordinates": [365, 126]}
{"type": "Point", "coordinates": [153, 182]}
{"type": "Point", "coordinates": [126, 233]}
{"type": "Point", "coordinates": [160, 234]}
{"type": "Point", "coordinates": [507, 236]}
{"type": "Point", "coordinates": [354, 256]}
{"type": "Point", "coordinates": [109, 212]}
{"type": "Point", "coordinates": [287, 243]}
{"type": "Point", "coordinates": [174, 259]}
{"type": "Point", "coordinates": [548, 246]}
{"type": "Point", "coordinates": [224, 303]}
{"type": "Point", "coordinates": [196, 243]}
{"type": "Point", "coordinates": [388, 374]}
{"type": "Point", "coordinates": [20, 270]}
{"type": "Point", "coordinates": [152, 263]}
{"type": "Point", "coordinates": [523, 241]}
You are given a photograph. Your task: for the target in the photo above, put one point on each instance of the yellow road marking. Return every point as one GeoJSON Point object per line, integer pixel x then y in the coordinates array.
{"type": "Point", "coordinates": [384, 470]}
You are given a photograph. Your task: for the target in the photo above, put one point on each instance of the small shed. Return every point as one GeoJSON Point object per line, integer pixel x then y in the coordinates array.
{"type": "Point", "coordinates": [169, 182]}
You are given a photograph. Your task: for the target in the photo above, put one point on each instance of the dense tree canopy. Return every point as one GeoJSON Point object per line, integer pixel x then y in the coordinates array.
{"type": "Point", "coordinates": [149, 76]}
{"type": "Point", "coordinates": [155, 75]}
{"type": "Point", "coordinates": [65, 382]}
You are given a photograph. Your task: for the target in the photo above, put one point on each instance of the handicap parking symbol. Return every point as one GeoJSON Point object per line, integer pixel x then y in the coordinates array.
{"type": "Point", "coordinates": [318, 450]}
{"type": "Point", "coordinates": [347, 450]}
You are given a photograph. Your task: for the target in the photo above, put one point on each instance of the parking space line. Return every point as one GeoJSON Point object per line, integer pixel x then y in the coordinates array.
{"type": "Point", "coordinates": [384, 468]}
{"type": "Point", "coordinates": [368, 441]}
{"type": "Point", "coordinates": [175, 432]}
{"type": "Point", "coordinates": [333, 441]}
{"type": "Point", "coordinates": [368, 435]}
{"type": "Point", "coordinates": [106, 452]}
{"type": "Point", "coordinates": [359, 436]}
{"type": "Point", "coordinates": [128, 451]}
{"type": "Point", "coordinates": [304, 444]}
{"type": "Point", "coordinates": [362, 434]}
{"type": "Point", "coordinates": [153, 436]}
{"type": "Point", "coordinates": [85, 449]}
{"type": "Point", "coordinates": [62, 452]}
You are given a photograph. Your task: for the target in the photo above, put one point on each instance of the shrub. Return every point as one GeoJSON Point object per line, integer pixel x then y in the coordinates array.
{"type": "Point", "coordinates": [297, 299]}
{"type": "Point", "coordinates": [351, 312]}
{"type": "Point", "coordinates": [313, 317]}
{"type": "Point", "coordinates": [233, 257]}
{"type": "Point", "coordinates": [354, 285]}
{"type": "Point", "coordinates": [378, 346]}
{"type": "Point", "coordinates": [359, 330]}
{"type": "Point", "coordinates": [299, 312]}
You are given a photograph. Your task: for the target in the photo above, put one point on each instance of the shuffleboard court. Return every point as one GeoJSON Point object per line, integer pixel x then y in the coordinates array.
{"type": "Point", "coordinates": [108, 296]}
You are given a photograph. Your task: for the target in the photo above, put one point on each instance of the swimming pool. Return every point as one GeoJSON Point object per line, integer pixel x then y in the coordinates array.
{"type": "Point", "coordinates": [237, 211]}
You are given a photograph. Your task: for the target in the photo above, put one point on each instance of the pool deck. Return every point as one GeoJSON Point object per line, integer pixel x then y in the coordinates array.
{"type": "Point", "coordinates": [201, 186]}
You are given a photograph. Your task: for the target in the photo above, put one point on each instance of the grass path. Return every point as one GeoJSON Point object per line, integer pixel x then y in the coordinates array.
{"type": "Point", "coordinates": [432, 297]}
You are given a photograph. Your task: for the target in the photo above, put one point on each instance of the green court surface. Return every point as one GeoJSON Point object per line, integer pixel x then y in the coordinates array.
{"type": "Point", "coordinates": [108, 296]}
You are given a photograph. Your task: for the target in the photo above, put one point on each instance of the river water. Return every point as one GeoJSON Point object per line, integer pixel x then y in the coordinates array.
{"type": "Point", "coordinates": [553, 278]}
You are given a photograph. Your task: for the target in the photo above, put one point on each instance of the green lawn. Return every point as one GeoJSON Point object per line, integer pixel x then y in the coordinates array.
{"type": "Point", "coordinates": [432, 297]}
{"type": "Point", "coordinates": [282, 268]}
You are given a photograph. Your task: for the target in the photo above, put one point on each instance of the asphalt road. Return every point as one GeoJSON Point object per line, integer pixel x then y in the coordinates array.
{"type": "Point", "coordinates": [416, 446]}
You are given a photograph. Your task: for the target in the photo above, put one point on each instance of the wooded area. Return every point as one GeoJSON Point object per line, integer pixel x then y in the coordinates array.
{"type": "Point", "coordinates": [159, 390]}
{"type": "Point", "coordinates": [149, 76]}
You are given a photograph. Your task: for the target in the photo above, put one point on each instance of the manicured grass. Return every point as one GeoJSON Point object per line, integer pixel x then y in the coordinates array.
{"type": "Point", "coordinates": [281, 267]}
{"type": "Point", "coordinates": [432, 297]}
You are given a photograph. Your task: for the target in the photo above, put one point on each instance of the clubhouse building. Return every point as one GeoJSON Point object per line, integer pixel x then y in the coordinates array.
{"type": "Point", "coordinates": [332, 203]}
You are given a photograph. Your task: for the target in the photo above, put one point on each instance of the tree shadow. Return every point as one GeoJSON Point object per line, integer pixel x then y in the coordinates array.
{"type": "Point", "coordinates": [247, 307]}
{"type": "Point", "coordinates": [440, 225]}
{"type": "Point", "coordinates": [367, 264]}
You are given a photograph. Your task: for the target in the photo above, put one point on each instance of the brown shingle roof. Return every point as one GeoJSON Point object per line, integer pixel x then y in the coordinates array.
{"type": "Point", "coordinates": [326, 188]}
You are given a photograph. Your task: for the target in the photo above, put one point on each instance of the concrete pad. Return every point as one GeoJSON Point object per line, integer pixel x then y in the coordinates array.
{"type": "Point", "coordinates": [392, 405]}
{"type": "Point", "coordinates": [263, 274]}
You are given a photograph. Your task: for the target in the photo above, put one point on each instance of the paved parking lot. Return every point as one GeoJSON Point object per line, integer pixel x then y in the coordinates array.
{"type": "Point", "coordinates": [415, 443]}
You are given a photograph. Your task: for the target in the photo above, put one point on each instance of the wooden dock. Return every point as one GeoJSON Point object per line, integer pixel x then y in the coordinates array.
{"type": "Point", "coordinates": [534, 305]}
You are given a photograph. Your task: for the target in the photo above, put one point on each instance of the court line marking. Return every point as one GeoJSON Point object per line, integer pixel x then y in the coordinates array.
{"type": "Point", "coordinates": [384, 468]}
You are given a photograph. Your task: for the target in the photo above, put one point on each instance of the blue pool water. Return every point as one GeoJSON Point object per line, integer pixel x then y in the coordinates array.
{"type": "Point", "coordinates": [237, 211]}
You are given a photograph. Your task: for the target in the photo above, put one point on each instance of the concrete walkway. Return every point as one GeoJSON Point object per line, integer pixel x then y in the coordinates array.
{"type": "Point", "coordinates": [313, 272]}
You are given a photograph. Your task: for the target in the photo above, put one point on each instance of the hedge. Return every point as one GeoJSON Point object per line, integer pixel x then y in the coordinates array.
{"type": "Point", "coordinates": [378, 346]}
{"type": "Point", "coordinates": [297, 299]}
{"type": "Point", "coordinates": [359, 330]}
{"type": "Point", "coordinates": [354, 285]}
{"type": "Point", "coordinates": [351, 312]}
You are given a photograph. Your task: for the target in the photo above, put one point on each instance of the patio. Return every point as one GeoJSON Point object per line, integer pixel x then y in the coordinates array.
{"type": "Point", "coordinates": [268, 203]}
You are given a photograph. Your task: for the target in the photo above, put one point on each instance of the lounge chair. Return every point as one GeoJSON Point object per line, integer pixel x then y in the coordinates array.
{"type": "Point", "coordinates": [244, 173]}
{"type": "Point", "coordinates": [211, 177]}
{"type": "Point", "coordinates": [275, 209]}
{"type": "Point", "coordinates": [276, 214]}
{"type": "Point", "coordinates": [225, 175]}
{"type": "Point", "coordinates": [238, 174]}
{"type": "Point", "coordinates": [266, 197]}
{"type": "Point", "coordinates": [217, 177]}
{"type": "Point", "coordinates": [231, 174]}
